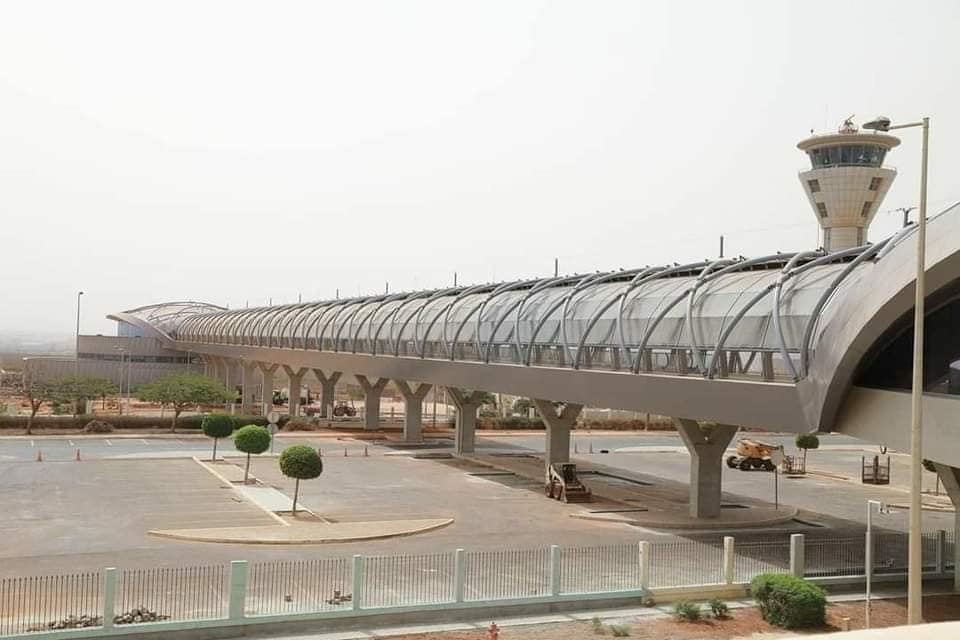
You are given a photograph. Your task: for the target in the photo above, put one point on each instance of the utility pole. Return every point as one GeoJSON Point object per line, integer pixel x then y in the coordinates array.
{"type": "Point", "coordinates": [76, 361]}
{"type": "Point", "coordinates": [454, 278]}
{"type": "Point", "coordinates": [721, 246]}
{"type": "Point", "coordinates": [556, 267]}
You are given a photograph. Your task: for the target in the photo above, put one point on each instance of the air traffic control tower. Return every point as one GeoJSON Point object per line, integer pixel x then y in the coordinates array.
{"type": "Point", "coordinates": [846, 182]}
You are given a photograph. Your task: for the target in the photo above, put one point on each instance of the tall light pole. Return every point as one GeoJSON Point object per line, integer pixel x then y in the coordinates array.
{"type": "Point", "coordinates": [914, 570]}
{"type": "Point", "coordinates": [868, 554]}
{"type": "Point", "coordinates": [76, 348]}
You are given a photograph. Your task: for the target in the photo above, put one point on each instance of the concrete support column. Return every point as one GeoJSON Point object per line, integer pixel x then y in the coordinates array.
{"type": "Point", "coordinates": [412, 410]}
{"type": "Point", "coordinates": [706, 445]}
{"type": "Point", "coordinates": [558, 423]}
{"type": "Point", "coordinates": [249, 383]}
{"type": "Point", "coordinates": [950, 477]}
{"type": "Point", "coordinates": [328, 387]}
{"type": "Point", "coordinates": [467, 406]}
{"type": "Point", "coordinates": [295, 376]}
{"type": "Point", "coordinates": [371, 401]}
{"type": "Point", "coordinates": [266, 386]}
{"type": "Point", "coordinates": [228, 383]}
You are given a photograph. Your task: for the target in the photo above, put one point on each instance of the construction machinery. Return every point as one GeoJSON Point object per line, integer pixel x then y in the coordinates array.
{"type": "Point", "coordinates": [342, 409]}
{"type": "Point", "coordinates": [564, 484]}
{"type": "Point", "coordinates": [753, 455]}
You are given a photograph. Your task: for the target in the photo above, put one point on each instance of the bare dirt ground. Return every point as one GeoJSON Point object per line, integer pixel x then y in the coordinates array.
{"type": "Point", "coordinates": [743, 623]}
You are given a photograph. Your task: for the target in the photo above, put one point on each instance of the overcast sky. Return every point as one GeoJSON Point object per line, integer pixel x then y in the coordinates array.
{"type": "Point", "coordinates": [234, 152]}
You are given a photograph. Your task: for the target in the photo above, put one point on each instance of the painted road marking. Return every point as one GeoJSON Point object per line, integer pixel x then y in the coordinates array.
{"type": "Point", "coordinates": [71, 442]}
{"type": "Point", "coordinates": [31, 444]}
{"type": "Point", "coordinates": [109, 444]}
{"type": "Point", "coordinates": [144, 441]}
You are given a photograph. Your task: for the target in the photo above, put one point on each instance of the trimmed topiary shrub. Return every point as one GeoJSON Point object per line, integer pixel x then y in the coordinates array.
{"type": "Point", "coordinates": [686, 611]}
{"type": "Point", "coordinates": [788, 601]}
{"type": "Point", "coordinates": [719, 609]}
{"type": "Point", "coordinates": [98, 426]}
{"type": "Point", "coordinates": [216, 426]}
{"type": "Point", "coordinates": [302, 424]}
{"type": "Point", "coordinates": [251, 439]}
{"type": "Point", "coordinates": [301, 463]}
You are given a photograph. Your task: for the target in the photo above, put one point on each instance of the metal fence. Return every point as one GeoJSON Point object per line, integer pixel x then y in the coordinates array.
{"type": "Point", "coordinates": [674, 564]}
{"type": "Point", "coordinates": [754, 558]}
{"type": "Point", "coordinates": [395, 581]}
{"type": "Point", "coordinates": [500, 575]}
{"type": "Point", "coordinates": [44, 603]}
{"type": "Point", "coordinates": [366, 584]}
{"type": "Point", "coordinates": [172, 593]}
{"type": "Point", "coordinates": [299, 586]}
{"type": "Point", "coordinates": [600, 569]}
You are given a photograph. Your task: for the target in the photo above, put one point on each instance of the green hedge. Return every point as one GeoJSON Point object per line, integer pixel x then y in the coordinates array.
{"type": "Point", "coordinates": [788, 601]}
{"type": "Point", "coordinates": [118, 422]}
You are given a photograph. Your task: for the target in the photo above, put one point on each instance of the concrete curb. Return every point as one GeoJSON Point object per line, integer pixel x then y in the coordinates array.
{"type": "Point", "coordinates": [219, 536]}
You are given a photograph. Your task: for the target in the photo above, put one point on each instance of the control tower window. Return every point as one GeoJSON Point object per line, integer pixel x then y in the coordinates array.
{"type": "Point", "coordinates": [814, 185]}
{"type": "Point", "coordinates": [866, 209]}
{"type": "Point", "coordinates": [870, 155]}
{"type": "Point", "coordinates": [822, 208]}
{"type": "Point", "coordinates": [875, 183]}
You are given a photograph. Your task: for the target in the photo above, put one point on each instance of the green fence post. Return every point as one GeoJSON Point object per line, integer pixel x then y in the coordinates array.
{"type": "Point", "coordinates": [238, 589]}
{"type": "Point", "coordinates": [554, 570]}
{"type": "Point", "coordinates": [644, 550]}
{"type": "Point", "coordinates": [729, 556]}
{"type": "Point", "coordinates": [109, 596]}
{"type": "Point", "coordinates": [460, 575]}
{"type": "Point", "coordinates": [358, 567]}
{"type": "Point", "coordinates": [797, 559]}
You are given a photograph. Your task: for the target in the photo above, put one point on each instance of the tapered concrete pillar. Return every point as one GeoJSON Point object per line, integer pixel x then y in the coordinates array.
{"type": "Point", "coordinates": [412, 410]}
{"type": "Point", "coordinates": [295, 376]}
{"type": "Point", "coordinates": [950, 477]}
{"type": "Point", "coordinates": [328, 388]}
{"type": "Point", "coordinates": [558, 424]}
{"type": "Point", "coordinates": [706, 445]}
{"type": "Point", "coordinates": [248, 380]}
{"type": "Point", "coordinates": [267, 372]}
{"type": "Point", "coordinates": [467, 406]}
{"type": "Point", "coordinates": [228, 383]}
{"type": "Point", "coordinates": [371, 401]}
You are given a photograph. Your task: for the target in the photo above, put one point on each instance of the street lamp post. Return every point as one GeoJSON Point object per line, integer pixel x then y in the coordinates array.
{"type": "Point", "coordinates": [122, 353]}
{"type": "Point", "coordinates": [76, 350]}
{"type": "Point", "coordinates": [914, 570]}
{"type": "Point", "coordinates": [868, 554]}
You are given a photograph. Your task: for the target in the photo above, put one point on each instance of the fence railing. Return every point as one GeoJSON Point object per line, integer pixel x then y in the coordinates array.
{"type": "Point", "coordinates": [120, 602]}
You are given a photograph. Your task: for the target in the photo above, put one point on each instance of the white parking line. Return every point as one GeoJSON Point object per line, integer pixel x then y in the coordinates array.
{"type": "Point", "coordinates": [144, 441]}
{"type": "Point", "coordinates": [71, 442]}
{"type": "Point", "coordinates": [109, 444]}
{"type": "Point", "coordinates": [31, 444]}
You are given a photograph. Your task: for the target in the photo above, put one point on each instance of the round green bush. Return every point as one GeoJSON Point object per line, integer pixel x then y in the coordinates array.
{"type": "Point", "coordinates": [251, 439]}
{"type": "Point", "coordinates": [788, 601]}
{"type": "Point", "coordinates": [300, 462]}
{"type": "Point", "coordinates": [807, 441]}
{"type": "Point", "coordinates": [686, 610]}
{"type": "Point", "coordinates": [217, 425]}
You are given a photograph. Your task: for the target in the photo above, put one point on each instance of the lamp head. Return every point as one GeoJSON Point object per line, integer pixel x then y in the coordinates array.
{"type": "Point", "coordinates": [880, 123]}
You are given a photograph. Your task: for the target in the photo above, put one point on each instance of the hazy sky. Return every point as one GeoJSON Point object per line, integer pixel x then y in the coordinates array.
{"type": "Point", "coordinates": [238, 151]}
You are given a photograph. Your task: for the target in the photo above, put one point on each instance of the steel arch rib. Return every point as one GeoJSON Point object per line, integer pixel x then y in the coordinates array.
{"type": "Point", "coordinates": [280, 323]}
{"type": "Point", "coordinates": [267, 324]}
{"type": "Point", "coordinates": [335, 307]}
{"type": "Point", "coordinates": [511, 286]}
{"type": "Point", "coordinates": [595, 318]}
{"type": "Point", "coordinates": [422, 295]}
{"type": "Point", "coordinates": [543, 286]}
{"type": "Point", "coordinates": [651, 273]}
{"type": "Point", "coordinates": [867, 252]}
{"type": "Point", "coordinates": [596, 278]}
{"type": "Point", "coordinates": [785, 274]}
{"type": "Point", "coordinates": [582, 280]}
{"type": "Point", "coordinates": [295, 330]}
{"type": "Point", "coordinates": [446, 314]}
{"type": "Point", "coordinates": [369, 318]}
{"type": "Point", "coordinates": [246, 324]}
{"type": "Point", "coordinates": [722, 339]}
{"type": "Point", "coordinates": [435, 295]}
{"type": "Point", "coordinates": [540, 285]}
{"type": "Point", "coordinates": [332, 320]}
{"type": "Point", "coordinates": [359, 303]}
{"type": "Point", "coordinates": [293, 322]}
{"type": "Point", "coordinates": [660, 316]}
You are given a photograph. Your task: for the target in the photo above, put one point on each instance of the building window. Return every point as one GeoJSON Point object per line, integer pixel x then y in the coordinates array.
{"type": "Point", "coordinates": [875, 183]}
{"type": "Point", "coordinates": [866, 209]}
{"type": "Point", "coordinates": [814, 185]}
{"type": "Point", "coordinates": [822, 208]}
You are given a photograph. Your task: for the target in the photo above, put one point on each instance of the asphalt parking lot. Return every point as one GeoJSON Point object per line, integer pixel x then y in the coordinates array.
{"type": "Point", "coordinates": [95, 513]}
